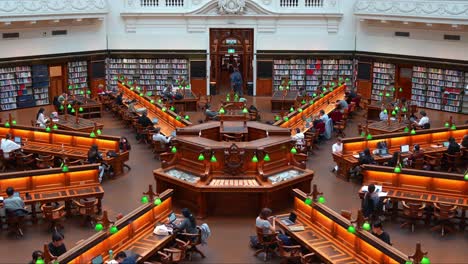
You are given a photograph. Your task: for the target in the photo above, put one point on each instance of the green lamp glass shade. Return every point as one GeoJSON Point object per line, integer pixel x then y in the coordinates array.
{"type": "Point", "coordinates": [381, 94]}
{"type": "Point", "coordinates": [321, 95]}
{"type": "Point", "coordinates": [98, 227]}
{"type": "Point", "coordinates": [81, 92]}
{"type": "Point", "coordinates": [69, 106]}
{"type": "Point", "coordinates": [446, 124]}
{"type": "Point", "coordinates": [299, 110]}
{"type": "Point", "coordinates": [351, 229]}
{"type": "Point", "coordinates": [39, 261]}
{"type": "Point", "coordinates": [99, 132]}
{"type": "Point", "coordinates": [397, 169]}
{"type": "Point", "coordinates": [314, 94]}
{"type": "Point", "coordinates": [369, 136]}
{"type": "Point", "coordinates": [149, 93]}
{"type": "Point", "coordinates": [159, 101]}
{"type": "Point", "coordinates": [73, 110]}
{"type": "Point", "coordinates": [404, 110]}
{"type": "Point", "coordinates": [303, 101]}
{"type": "Point", "coordinates": [293, 150]}
{"type": "Point", "coordinates": [213, 158]}
{"type": "Point", "coordinates": [453, 127]}
{"type": "Point", "coordinates": [187, 117]}
{"type": "Point", "coordinates": [413, 132]}
{"type": "Point", "coordinates": [113, 230]}
{"type": "Point", "coordinates": [401, 90]}
{"type": "Point", "coordinates": [92, 134]}
{"type": "Point", "coordinates": [141, 94]}
{"type": "Point", "coordinates": [387, 94]}
{"type": "Point", "coordinates": [201, 157]}
{"type": "Point", "coordinates": [308, 201]}
{"type": "Point", "coordinates": [80, 109]}
{"type": "Point", "coordinates": [7, 124]}
{"type": "Point", "coordinates": [281, 88]}
{"type": "Point", "coordinates": [172, 108]}
{"type": "Point", "coordinates": [221, 111]}
{"type": "Point", "coordinates": [77, 86]}
{"type": "Point", "coordinates": [393, 88]}
{"type": "Point", "coordinates": [47, 129]}
{"type": "Point", "coordinates": [131, 88]}
{"type": "Point", "coordinates": [287, 87]}
{"type": "Point", "coordinates": [174, 149]}
{"type": "Point", "coordinates": [466, 176]}
{"type": "Point", "coordinates": [88, 92]}
{"type": "Point", "coordinates": [406, 129]}
{"type": "Point", "coordinates": [130, 82]}
{"type": "Point", "coordinates": [65, 168]}
{"type": "Point", "coordinates": [397, 108]}
{"type": "Point", "coordinates": [340, 79]}
{"type": "Point", "coordinates": [123, 83]}
{"type": "Point", "coordinates": [277, 118]}
{"type": "Point", "coordinates": [311, 102]}
{"type": "Point", "coordinates": [324, 89]}
{"type": "Point", "coordinates": [291, 109]}
{"type": "Point", "coordinates": [347, 79]}
{"type": "Point", "coordinates": [425, 260]}
{"type": "Point", "coordinates": [228, 99]}
{"type": "Point", "coordinates": [321, 199]}
{"type": "Point", "coordinates": [177, 118]}
{"type": "Point", "coordinates": [157, 201]}
{"type": "Point", "coordinates": [144, 199]}
{"type": "Point", "coordinates": [393, 112]}
{"type": "Point", "coordinates": [409, 262]}
{"type": "Point", "coordinates": [331, 89]}
{"type": "Point", "coordinates": [13, 122]}
{"type": "Point", "coordinates": [333, 83]}
{"type": "Point", "coordinates": [70, 87]}
{"type": "Point", "coordinates": [254, 158]}
{"type": "Point", "coordinates": [286, 118]}
{"type": "Point", "coordinates": [152, 101]}
{"type": "Point", "coordinates": [61, 107]}
{"type": "Point", "coordinates": [266, 158]}
{"type": "Point", "coordinates": [55, 127]}
{"type": "Point", "coordinates": [385, 111]}
{"type": "Point", "coordinates": [138, 88]}
{"type": "Point", "coordinates": [366, 226]}
{"type": "Point", "coordinates": [164, 109]}
{"type": "Point", "coordinates": [363, 134]}
{"type": "Point", "coordinates": [245, 111]}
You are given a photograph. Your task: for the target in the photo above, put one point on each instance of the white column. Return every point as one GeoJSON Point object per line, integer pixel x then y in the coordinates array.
{"type": "Point", "coordinates": [254, 67]}
{"type": "Point", "coordinates": [208, 70]}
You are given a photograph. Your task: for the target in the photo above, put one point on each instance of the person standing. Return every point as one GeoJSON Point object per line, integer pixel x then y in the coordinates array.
{"type": "Point", "coordinates": [236, 82]}
{"type": "Point", "coordinates": [337, 148]}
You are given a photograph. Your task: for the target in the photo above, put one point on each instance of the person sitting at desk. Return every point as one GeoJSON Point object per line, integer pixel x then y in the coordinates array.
{"type": "Point", "coordinates": [417, 154]}
{"type": "Point", "coordinates": [393, 162]}
{"type": "Point", "coordinates": [377, 230]}
{"type": "Point", "coordinates": [122, 258]}
{"type": "Point", "coordinates": [336, 115]}
{"type": "Point", "coordinates": [119, 99]}
{"type": "Point", "coordinates": [188, 225]}
{"type": "Point", "coordinates": [37, 254]}
{"type": "Point", "coordinates": [268, 225]}
{"type": "Point", "coordinates": [13, 203]}
{"type": "Point", "coordinates": [323, 116]}
{"type": "Point", "coordinates": [57, 247]}
{"type": "Point", "coordinates": [100, 89]}
{"type": "Point", "coordinates": [8, 146]}
{"type": "Point", "coordinates": [342, 104]}
{"type": "Point", "coordinates": [210, 114]}
{"type": "Point", "coordinates": [94, 156]}
{"type": "Point", "coordinates": [370, 201]}
{"type": "Point", "coordinates": [423, 122]}
{"type": "Point", "coordinates": [453, 147]}
{"type": "Point", "coordinates": [167, 92]}
{"type": "Point", "coordinates": [144, 121]}
{"type": "Point", "coordinates": [464, 141]}
{"type": "Point", "coordinates": [41, 120]}
{"type": "Point", "coordinates": [383, 115]}
{"type": "Point", "coordinates": [364, 158]}
{"type": "Point", "coordinates": [299, 137]}
{"type": "Point", "coordinates": [157, 136]}
{"type": "Point", "coordinates": [337, 148]}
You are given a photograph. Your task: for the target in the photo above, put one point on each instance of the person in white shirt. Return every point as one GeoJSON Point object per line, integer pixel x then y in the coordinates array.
{"type": "Point", "coordinates": [323, 116]}
{"type": "Point", "coordinates": [337, 148]}
{"type": "Point", "coordinates": [299, 137]}
{"type": "Point", "coordinates": [8, 146]}
{"type": "Point", "coordinates": [383, 115]}
{"type": "Point", "coordinates": [160, 137]}
{"type": "Point", "coordinates": [423, 122]}
{"type": "Point", "coordinates": [41, 120]}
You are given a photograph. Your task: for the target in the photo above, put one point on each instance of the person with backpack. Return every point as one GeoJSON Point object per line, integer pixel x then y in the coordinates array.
{"type": "Point", "coordinates": [370, 202]}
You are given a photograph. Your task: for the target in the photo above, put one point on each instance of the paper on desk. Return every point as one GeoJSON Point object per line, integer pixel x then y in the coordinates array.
{"type": "Point", "coordinates": [378, 190]}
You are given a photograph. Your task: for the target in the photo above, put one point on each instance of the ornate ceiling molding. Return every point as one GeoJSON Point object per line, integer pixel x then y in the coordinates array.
{"type": "Point", "coordinates": [439, 10]}
{"type": "Point", "coordinates": [14, 8]}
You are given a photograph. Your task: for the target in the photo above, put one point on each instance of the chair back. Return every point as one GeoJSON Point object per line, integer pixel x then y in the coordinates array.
{"type": "Point", "coordinates": [418, 164]}
{"type": "Point", "coordinates": [346, 214]}
{"type": "Point", "coordinates": [88, 207]}
{"type": "Point", "coordinates": [413, 210]}
{"type": "Point", "coordinates": [446, 211]}
{"type": "Point", "coordinates": [260, 235]}
{"type": "Point", "coordinates": [51, 213]}
{"type": "Point", "coordinates": [45, 161]}
{"type": "Point", "coordinates": [281, 250]}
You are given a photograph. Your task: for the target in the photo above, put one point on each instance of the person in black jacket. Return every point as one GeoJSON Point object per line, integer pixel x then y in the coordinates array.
{"type": "Point", "coordinates": [119, 99]}
{"type": "Point", "coordinates": [94, 156]}
{"type": "Point", "coordinates": [453, 146]}
{"type": "Point", "coordinates": [144, 121]}
{"type": "Point", "coordinates": [464, 141]}
{"type": "Point", "coordinates": [366, 158]}
{"type": "Point", "coordinates": [394, 161]}
{"type": "Point", "coordinates": [377, 230]}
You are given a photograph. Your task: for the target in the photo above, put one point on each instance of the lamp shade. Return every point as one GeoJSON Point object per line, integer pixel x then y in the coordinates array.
{"type": "Point", "coordinates": [351, 229]}
{"type": "Point", "coordinates": [152, 101]}
{"type": "Point", "coordinates": [286, 118]}
{"type": "Point", "coordinates": [177, 117]}
{"type": "Point", "coordinates": [99, 132]}
{"type": "Point", "coordinates": [401, 90]}
{"type": "Point", "coordinates": [293, 150]}
{"type": "Point", "coordinates": [173, 149]}
{"type": "Point", "coordinates": [141, 94]}
{"type": "Point", "coordinates": [321, 199]}
{"type": "Point", "coordinates": [453, 127]}
{"type": "Point", "coordinates": [172, 108]}
{"type": "Point", "coordinates": [201, 157]}
{"type": "Point", "coordinates": [213, 158]}
{"type": "Point", "coordinates": [144, 199]}
{"type": "Point", "coordinates": [397, 169]}
{"type": "Point", "coordinates": [381, 94]}
{"type": "Point", "coordinates": [314, 94]}
{"type": "Point", "coordinates": [413, 132]}
{"type": "Point", "coordinates": [164, 109]}
{"type": "Point", "coordinates": [404, 110]}
{"type": "Point", "coordinates": [88, 92]}
{"type": "Point", "coordinates": [39, 261]}
{"type": "Point", "coordinates": [187, 117]}
{"type": "Point", "coordinates": [409, 262]}
{"type": "Point", "coordinates": [308, 201]}
{"type": "Point", "coordinates": [98, 227]}
{"type": "Point", "coordinates": [277, 118]}
{"type": "Point", "coordinates": [47, 129]}
{"type": "Point", "coordinates": [65, 168]}
{"type": "Point", "coordinates": [266, 158]}
{"type": "Point", "coordinates": [425, 260]}
{"type": "Point", "coordinates": [245, 111]}
{"type": "Point", "coordinates": [113, 230]}
{"type": "Point", "coordinates": [369, 136]}
{"type": "Point", "coordinates": [466, 176]}
{"type": "Point", "coordinates": [221, 111]}
{"type": "Point", "coordinates": [291, 109]}
{"type": "Point", "coordinates": [363, 134]}
{"type": "Point", "coordinates": [446, 124]}
{"type": "Point", "coordinates": [385, 111]}
{"type": "Point", "coordinates": [13, 122]}
{"type": "Point", "coordinates": [81, 92]}
{"type": "Point", "coordinates": [73, 110]}
{"type": "Point", "coordinates": [299, 110]}
{"type": "Point", "coordinates": [92, 134]}
{"type": "Point", "coordinates": [159, 101]}
{"type": "Point", "coordinates": [303, 101]}
{"type": "Point", "coordinates": [406, 129]}
{"type": "Point", "coordinates": [55, 127]}
{"type": "Point", "coordinates": [61, 107]}
{"type": "Point", "coordinates": [393, 112]}
{"type": "Point", "coordinates": [311, 102]}
{"type": "Point", "coordinates": [7, 124]}
{"type": "Point", "coordinates": [157, 201]}
{"type": "Point", "coordinates": [80, 109]}
{"type": "Point", "coordinates": [366, 226]}
{"type": "Point", "coordinates": [397, 108]}
{"type": "Point", "coordinates": [254, 158]}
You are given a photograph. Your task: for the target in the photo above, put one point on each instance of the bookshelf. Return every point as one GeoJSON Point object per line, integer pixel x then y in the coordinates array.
{"type": "Point", "coordinates": [78, 77]}
{"type": "Point", "coordinates": [313, 74]}
{"type": "Point", "coordinates": [383, 75]}
{"type": "Point", "coordinates": [15, 88]}
{"type": "Point", "coordinates": [346, 71]}
{"type": "Point", "coordinates": [40, 78]}
{"type": "Point", "coordinates": [419, 86]}
{"type": "Point", "coordinates": [452, 98]}
{"type": "Point", "coordinates": [329, 71]}
{"type": "Point", "coordinates": [152, 74]}
{"type": "Point", "coordinates": [465, 96]}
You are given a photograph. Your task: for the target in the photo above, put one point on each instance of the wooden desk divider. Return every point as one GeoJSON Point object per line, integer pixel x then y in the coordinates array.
{"type": "Point", "coordinates": [70, 144]}
{"type": "Point", "coordinates": [54, 185]}
{"type": "Point", "coordinates": [326, 103]}
{"type": "Point", "coordinates": [134, 232]}
{"type": "Point", "coordinates": [326, 233]}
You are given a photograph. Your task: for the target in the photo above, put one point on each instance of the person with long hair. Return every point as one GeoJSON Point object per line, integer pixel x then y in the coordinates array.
{"type": "Point", "coordinates": [41, 120]}
{"type": "Point", "coordinates": [94, 156]}
{"type": "Point", "coordinates": [188, 225]}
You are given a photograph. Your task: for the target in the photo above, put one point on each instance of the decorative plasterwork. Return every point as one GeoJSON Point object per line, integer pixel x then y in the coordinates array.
{"type": "Point", "coordinates": [24, 8]}
{"type": "Point", "coordinates": [424, 9]}
{"type": "Point", "coordinates": [232, 7]}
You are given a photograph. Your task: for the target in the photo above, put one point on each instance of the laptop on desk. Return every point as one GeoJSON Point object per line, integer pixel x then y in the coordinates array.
{"type": "Point", "coordinates": [446, 144]}
{"type": "Point", "coordinates": [384, 152]}
{"type": "Point", "coordinates": [18, 140]}
{"type": "Point", "coordinates": [404, 149]}
{"type": "Point", "coordinates": [291, 220]}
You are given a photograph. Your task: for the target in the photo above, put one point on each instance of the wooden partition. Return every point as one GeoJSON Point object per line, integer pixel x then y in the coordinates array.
{"type": "Point", "coordinates": [326, 103]}
{"type": "Point", "coordinates": [135, 233]}
{"type": "Point", "coordinates": [167, 119]}
{"type": "Point", "coordinates": [430, 140]}
{"type": "Point", "coordinates": [63, 143]}
{"type": "Point", "coordinates": [326, 234]}
{"type": "Point", "coordinates": [54, 185]}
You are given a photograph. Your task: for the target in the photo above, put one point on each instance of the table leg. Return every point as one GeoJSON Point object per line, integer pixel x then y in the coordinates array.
{"type": "Point", "coordinates": [99, 205]}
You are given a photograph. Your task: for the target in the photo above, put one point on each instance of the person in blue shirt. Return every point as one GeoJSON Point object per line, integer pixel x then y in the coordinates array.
{"type": "Point", "coordinates": [14, 204]}
{"type": "Point", "coordinates": [236, 82]}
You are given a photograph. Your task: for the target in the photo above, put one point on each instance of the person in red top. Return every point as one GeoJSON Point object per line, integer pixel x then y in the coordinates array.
{"type": "Point", "coordinates": [336, 115]}
{"type": "Point", "coordinates": [417, 154]}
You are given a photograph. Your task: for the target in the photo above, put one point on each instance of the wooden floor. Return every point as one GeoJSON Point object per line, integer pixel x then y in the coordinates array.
{"type": "Point", "coordinates": [229, 240]}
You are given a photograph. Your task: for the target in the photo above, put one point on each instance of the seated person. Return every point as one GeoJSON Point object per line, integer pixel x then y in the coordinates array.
{"type": "Point", "coordinates": [160, 137]}
{"type": "Point", "coordinates": [393, 162]}
{"type": "Point", "coordinates": [188, 225]}
{"type": "Point", "coordinates": [210, 114]}
{"type": "Point", "coordinates": [132, 108]}
{"type": "Point", "coordinates": [122, 258]}
{"type": "Point", "coordinates": [370, 201]}
{"type": "Point", "coordinates": [337, 148]}
{"type": "Point", "coordinates": [464, 141]}
{"type": "Point", "coordinates": [336, 115]}
{"type": "Point", "coordinates": [37, 254]}
{"type": "Point", "coordinates": [94, 156]}
{"type": "Point", "coordinates": [453, 147]}
{"type": "Point", "coordinates": [119, 99]}
{"type": "Point", "coordinates": [57, 247]}
{"type": "Point", "coordinates": [323, 116]}
{"type": "Point", "coordinates": [144, 121]}
{"type": "Point", "coordinates": [267, 223]}
{"type": "Point", "coordinates": [423, 122]}
{"type": "Point", "coordinates": [41, 120]}
{"type": "Point", "coordinates": [377, 231]}
{"type": "Point", "coordinates": [100, 89]}
{"type": "Point", "coordinates": [364, 158]}
{"type": "Point", "coordinates": [319, 125]}
{"type": "Point", "coordinates": [383, 115]}
{"type": "Point", "coordinates": [13, 203]}
{"type": "Point", "coordinates": [418, 153]}
{"type": "Point", "coordinates": [299, 137]}
{"type": "Point", "coordinates": [167, 92]}
{"type": "Point", "coordinates": [124, 145]}
{"type": "Point", "coordinates": [342, 104]}
{"type": "Point", "coordinates": [8, 146]}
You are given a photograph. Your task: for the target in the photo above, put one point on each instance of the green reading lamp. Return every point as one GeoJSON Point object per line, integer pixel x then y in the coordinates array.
{"type": "Point", "coordinates": [177, 117]}
{"type": "Point", "coordinates": [413, 132]}
{"type": "Point", "coordinates": [149, 93]}
{"type": "Point", "coordinates": [277, 117]}
{"type": "Point", "coordinates": [286, 118]}
{"type": "Point", "coordinates": [425, 260]}
{"type": "Point", "coordinates": [293, 150]}
{"type": "Point", "coordinates": [113, 230]}
{"type": "Point", "coordinates": [406, 130]}
{"type": "Point", "coordinates": [187, 117]}
{"type": "Point", "coordinates": [401, 90]}
{"type": "Point", "coordinates": [70, 87]}
{"type": "Point", "coordinates": [409, 262]}
{"type": "Point", "coordinates": [131, 88]}
{"type": "Point", "coordinates": [61, 107]}
{"type": "Point", "coordinates": [281, 88]}
{"type": "Point", "coordinates": [447, 124]}
{"type": "Point", "coordinates": [267, 158]}
{"type": "Point", "coordinates": [152, 101]}
{"type": "Point", "coordinates": [77, 86]}
{"type": "Point", "coordinates": [245, 111]}
{"type": "Point", "coordinates": [254, 159]}
{"type": "Point", "coordinates": [138, 88]}
{"type": "Point", "coordinates": [311, 102]}
{"type": "Point", "coordinates": [363, 134]}
{"type": "Point", "coordinates": [40, 261]}
{"type": "Point", "coordinates": [385, 111]}
{"type": "Point", "coordinates": [321, 95]}
{"type": "Point", "coordinates": [47, 129]}
{"type": "Point", "coordinates": [333, 84]}
{"type": "Point", "coordinates": [81, 92]}
{"type": "Point", "coordinates": [321, 199]}
{"type": "Point", "coordinates": [347, 79]}
{"type": "Point", "coordinates": [144, 199]}
{"type": "Point", "coordinates": [308, 200]}
{"type": "Point", "coordinates": [397, 108]}
{"type": "Point", "coordinates": [88, 91]}
{"type": "Point", "coordinates": [466, 176]}
{"type": "Point", "coordinates": [157, 201]}
{"type": "Point", "coordinates": [13, 122]}
{"type": "Point", "coordinates": [80, 109]}
{"type": "Point", "coordinates": [404, 109]}
{"type": "Point", "coordinates": [98, 227]}
{"type": "Point", "coordinates": [164, 109]}
{"type": "Point", "coordinates": [69, 106]}
{"type": "Point", "coordinates": [201, 157]}
{"type": "Point", "coordinates": [393, 89]}
{"type": "Point", "coordinates": [141, 94]}
{"type": "Point", "coordinates": [369, 136]}
{"type": "Point", "coordinates": [453, 127]}
{"type": "Point", "coordinates": [7, 124]}
{"type": "Point", "coordinates": [213, 158]}
{"type": "Point", "coordinates": [221, 111]}
{"type": "Point", "coordinates": [303, 101]}
{"type": "Point", "coordinates": [55, 127]}
{"type": "Point", "coordinates": [99, 132]}
{"type": "Point", "coordinates": [159, 101]}
{"type": "Point", "coordinates": [291, 109]}
{"type": "Point", "coordinates": [172, 108]}
{"type": "Point", "coordinates": [314, 94]}
{"type": "Point", "coordinates": [92, 134]}
{"type": "Point", "coordinates": [173, 149]}
{"type": "Point", "coordinates": [299, 110]}
{"type": "Point", "coordinates": [65, 168]}
{"type": "Point", "coordinates": [73, 110]}
{"type": "Point", "coordinates": [366, 226]}
{"type": "Point", "coordinates": [397, 169]}
{"type": "Point", "coordinates": [351, 229]}
{"type": "Point", "coordinates": [387, 94]}
{"type": "Point", "coordinates": [393, 112]}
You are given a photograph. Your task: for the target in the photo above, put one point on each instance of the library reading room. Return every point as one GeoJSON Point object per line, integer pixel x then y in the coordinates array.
{"type": "Point", "coordinates": [233, 131]}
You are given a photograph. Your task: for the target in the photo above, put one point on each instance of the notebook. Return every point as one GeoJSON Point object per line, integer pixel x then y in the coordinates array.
{"type": "Point", "coordinates": [297, 228]}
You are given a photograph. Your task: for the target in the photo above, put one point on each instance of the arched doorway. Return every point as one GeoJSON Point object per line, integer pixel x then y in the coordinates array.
{"type": "Point", "coordinates": [230, 48]}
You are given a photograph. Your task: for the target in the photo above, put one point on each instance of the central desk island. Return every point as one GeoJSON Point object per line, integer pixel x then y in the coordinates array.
{"type": "Point", "coordinates": [217, 177]}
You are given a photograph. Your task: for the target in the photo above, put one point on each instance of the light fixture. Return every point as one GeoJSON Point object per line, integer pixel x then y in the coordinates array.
{"type": "Point", "coordinates": [453, 127]}
{"type": "Point", "coordinates": [286, 118]}
{"type": "Point", "coordinates": [173, 149]}
{"type": "Point", "coordinates": [144, 199]}
{"type": "Point", "coordinates": [413, 132]}
{"type": "Point", "coordinates": [98, 227]}
{"type": "Point", "coordinates": [13, 122]}
{"type": "Point", "coordinates": [99, 132]}
{"type": "Point", "coordinates": [55, 127]}
{"type": "Point", "coordinates": [406, 130]}
{"type": "Point", "coordinates": [245, 111]}
{"type": "Point", "coordinates": [213, 158]}
{"type": "Point", "coordinates": [308, 200]}
{"type": "Point", "coordinates": [266, 158]}
{"type": "Point", "coordinates": [7, 124]}
{"type": "Point", "coordinates": [92, 134]}
{"type": "Point", "coordinates": [254, 158]}
{"type": "Point", "coordinates": [366, 226]}
{"type": "Point", "coordinates": [65, 168]}
{"type": "Point", "coordinates": [157, 201]}
{"type": "Point", "coordinates": [80, 109]}
{"type": "Point", "coordinates": [293, 150]}
{"type": "Point", "coordinates": [187, 117]}
{"type": "Point", "coordinates": [321, 199]}
{"type": "Point", "coordinates": [221, 111]}
{"type": "Point", "coordinates": [369, 136]}
{"type": "Point", "coordinates": [291, 109]}
{"type": "Point", "coordinates": [397, 169]}
{"type": "Point", "coordinates": [201, 157]}
{"type": "Point", "coordinates": [47, 129]}
{"type": "Point", "coordinates": [351, 229]}
{"type": "Point", "coordinates": [113, 230]}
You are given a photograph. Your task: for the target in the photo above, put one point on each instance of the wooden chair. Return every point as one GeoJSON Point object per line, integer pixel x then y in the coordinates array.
{"type": "Point", "coordinates": [194, 241]}
{"type": "Point", "coordinates": [433, 160]}
{"type": "Point", "coordinates": [418, 164]}
{"type": "Point", "coordinates": [339, 128]}
{"type": "Point", "coordinates": [288, 253]}
{"type": "Point", "coordinates": [45, 161]}
{"type": "Point", "coordinates": [412, 212]}
{"type": "Point", "coordinates": [24, 161]}
{"type": "Point", "coordinates": [233, 138]}
{"type": "Point", "coordinates": [253, 115]}
{"type": "Point", "coordinates": [346, 214]}
{"type": "Point", "coordinates": [266, 242]}
{"type": "Point", "coordinates": [308, 258]}
{"type": "Point", "coordinates": [87, 209]}
{"type": "Point", "coordinates": [444, 213]}
{"type": "Point", "coordinates": [34, 123]}
{"type": "Point", "coordinates": [159, 148]}
{"type": "Point", "coordinates": [53, 215]}
{"type": "Point", "coordinates": [452, 161]}
{"type": "Point", "coordinates": [15, 223]}
{"type": "Point", "coordinates": [175, 255]}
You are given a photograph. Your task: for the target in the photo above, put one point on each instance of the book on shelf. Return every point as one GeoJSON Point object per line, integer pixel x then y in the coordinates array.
{"type": "Point", "coordinates": [382, 77]}
{"type": "Point", "coordinates": [41, 84]}
{"type": "Point", "coordinates": [78, 78]}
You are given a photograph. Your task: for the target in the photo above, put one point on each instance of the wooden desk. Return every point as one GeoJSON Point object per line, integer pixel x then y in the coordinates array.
{"type": "Point", "coordinates": [326, 103]}
{"type": "Point", "coordinates": [188, 103]}
{"type": "Point", "coordinates": [135, 234]}
{"type": "Point", "coordinates": [281, 102]}
{"type": "Point", "coordinates": [83, 125]}
{"type": "Point", "coordinates": [167, 119]}
{"type": "Point", "coordinates": [373, 111]}
{"type": "Point", "coordinates": [382, 127]}
{"type": "Point", "coordinates": [430, 140]}
{"type": "Point", "coordinates": [91, 107]}
{"type": "Point", "coordinates": [53, 185]}
{"type": "Point", "coordinates": [420, 186]}
{"type": "Point", "coordinates": [326, 234]}
{"type": "Point", "coordinates": [234, 115]}
{"type": "Point", "coordinates": [63, 143]}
